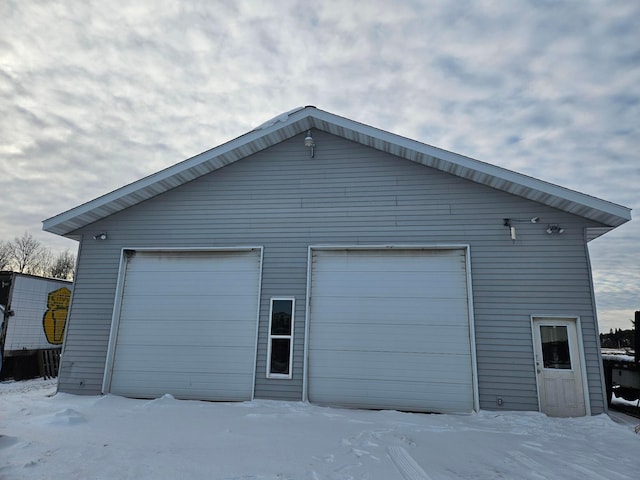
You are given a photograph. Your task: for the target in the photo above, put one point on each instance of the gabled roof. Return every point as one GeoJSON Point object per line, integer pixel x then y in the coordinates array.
{"type": "Point", "coordinates": [300, 120]}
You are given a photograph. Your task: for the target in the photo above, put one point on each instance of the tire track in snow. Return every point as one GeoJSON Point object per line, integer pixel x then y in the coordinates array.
{"type": "Point", "coordinates": [406, 465]}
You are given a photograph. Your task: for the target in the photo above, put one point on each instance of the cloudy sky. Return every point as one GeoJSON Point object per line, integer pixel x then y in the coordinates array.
{"type": "Point", "coordinates": [94, 94]}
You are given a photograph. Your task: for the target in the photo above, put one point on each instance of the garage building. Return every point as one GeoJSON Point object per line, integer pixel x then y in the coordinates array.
{"type": "Point", "coordinates": [319, 259]}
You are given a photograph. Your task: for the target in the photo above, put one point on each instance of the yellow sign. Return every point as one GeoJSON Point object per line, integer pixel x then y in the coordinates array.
{"type": "Point", "coordinates": [55, 318]}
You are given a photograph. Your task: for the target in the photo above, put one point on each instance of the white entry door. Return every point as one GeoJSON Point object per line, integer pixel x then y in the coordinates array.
{"type": "Point", "coordinates": [559, 367]}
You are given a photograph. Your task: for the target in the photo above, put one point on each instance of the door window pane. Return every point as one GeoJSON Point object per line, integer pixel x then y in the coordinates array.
{"type": "Point", "coordinates": [555, 347]}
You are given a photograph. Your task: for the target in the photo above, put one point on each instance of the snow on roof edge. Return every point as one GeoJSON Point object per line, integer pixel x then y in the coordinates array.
{"type": "Point", "coordinates": [282, 118]}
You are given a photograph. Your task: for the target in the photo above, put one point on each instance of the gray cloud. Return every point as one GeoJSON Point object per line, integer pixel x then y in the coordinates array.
{"type": "Point", "coordinates": [94, 95]}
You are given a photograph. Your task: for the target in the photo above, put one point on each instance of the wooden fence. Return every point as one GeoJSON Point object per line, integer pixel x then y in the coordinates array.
{"type": "Point", "coordinates": [49, 362]}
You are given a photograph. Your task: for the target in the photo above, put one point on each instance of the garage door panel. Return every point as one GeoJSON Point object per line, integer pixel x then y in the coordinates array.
{"type": "Point", "coordinates": [169, 337]}
{"type": "Point", "coordinates": [182, 311]}
{"type": "Point", "coordinates": [437, 306]}
{"type": "Point", "coordinates": [188, 284]}
{"type": "Point", "coordinates": [397, 395]}
{"type": "Point", "coordinates": [152, 359]}
{"type": "Point", "coordinates": [149, 321]}
{"type": "Point", "coordinates": [366, 363]}
{"type": "Point", "coordinates": [390, 329]}
{"type": "Point", "coordinates": [440, 312]}
{"type": "Point", "coordinates": [231, 287]}
{"type": "Point", "coordinates": [198, 386]}
{"type": "Point", "coordinates": [170, 333]}
{"type": "Point", "coordinates": [380, 310]}
{"type": "Point", "coordinates": [391, 285]}
{"type": "Point", "coordinates": [385, 367]}
{"type": "Point", "coordinates": [392, 338]}
{"type": "Point", "coordinates": [189, 261]}
{"type": "Point", "coordinates": [404, 261]}
{"type": "Point", "coordinates": [186, 314]}
{"type": "Point", "coordinates": [398, 389]}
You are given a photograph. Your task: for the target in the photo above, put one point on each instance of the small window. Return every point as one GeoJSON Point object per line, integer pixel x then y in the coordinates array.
{"type": "Point", "coordinates": [280, 350]}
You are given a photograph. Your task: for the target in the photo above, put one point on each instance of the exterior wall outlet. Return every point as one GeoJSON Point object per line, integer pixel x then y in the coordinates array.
{"type": "Point", "coordinates": [499, 401]}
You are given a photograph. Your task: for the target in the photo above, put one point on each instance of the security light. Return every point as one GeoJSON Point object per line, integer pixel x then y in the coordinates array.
{"type": "Point", "coordinates": [309, 143]}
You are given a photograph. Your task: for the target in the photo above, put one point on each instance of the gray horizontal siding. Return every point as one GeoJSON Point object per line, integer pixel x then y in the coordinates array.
{"type": "Point", "coordinates": [348, 194]}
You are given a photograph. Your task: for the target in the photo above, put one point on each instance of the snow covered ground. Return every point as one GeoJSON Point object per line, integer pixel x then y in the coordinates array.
{"type": "Point", "coordinates": [47, 436]}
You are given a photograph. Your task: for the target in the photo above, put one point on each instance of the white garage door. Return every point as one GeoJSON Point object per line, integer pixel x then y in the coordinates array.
{"type": "Point", "coordinates": [188, 325]}
{"type": "Point", "coordinates": [389, 329]}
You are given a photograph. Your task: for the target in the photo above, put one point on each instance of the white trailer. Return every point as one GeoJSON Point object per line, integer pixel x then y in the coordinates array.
{"type": "Point", "coordinates": [34, 313]}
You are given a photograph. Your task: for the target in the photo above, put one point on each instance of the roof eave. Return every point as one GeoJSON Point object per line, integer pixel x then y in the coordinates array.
{"type": "Point", "coordinates": [601, 211]}
{"type": "Point", "coordinates": [148, 187]}
{"type": "Point", "coordinates": [287, 125]}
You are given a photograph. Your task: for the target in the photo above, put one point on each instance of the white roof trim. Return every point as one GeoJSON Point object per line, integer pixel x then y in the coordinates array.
{"type": "Point", "coordinates": [297, 121]}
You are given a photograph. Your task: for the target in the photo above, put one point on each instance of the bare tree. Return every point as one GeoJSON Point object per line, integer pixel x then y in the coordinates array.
{"type": "Point", "coordinates": [63, 266]}
{"type": "Point", "coordinates": [5, 255]}
{"type": "Point", "coordinates": [25, 254]}
{"type": "Point", "coordinates": [28, 255]}
{"type": "Point", "coordinates": [44, 264]}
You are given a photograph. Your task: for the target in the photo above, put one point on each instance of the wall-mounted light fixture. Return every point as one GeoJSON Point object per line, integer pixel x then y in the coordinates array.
{"type": "Point", "coordinates": [309, 143]}
{"type": "Point", "coordinates": [551, 229]}
{"type": "Point", "coordinates": [100, 236]}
